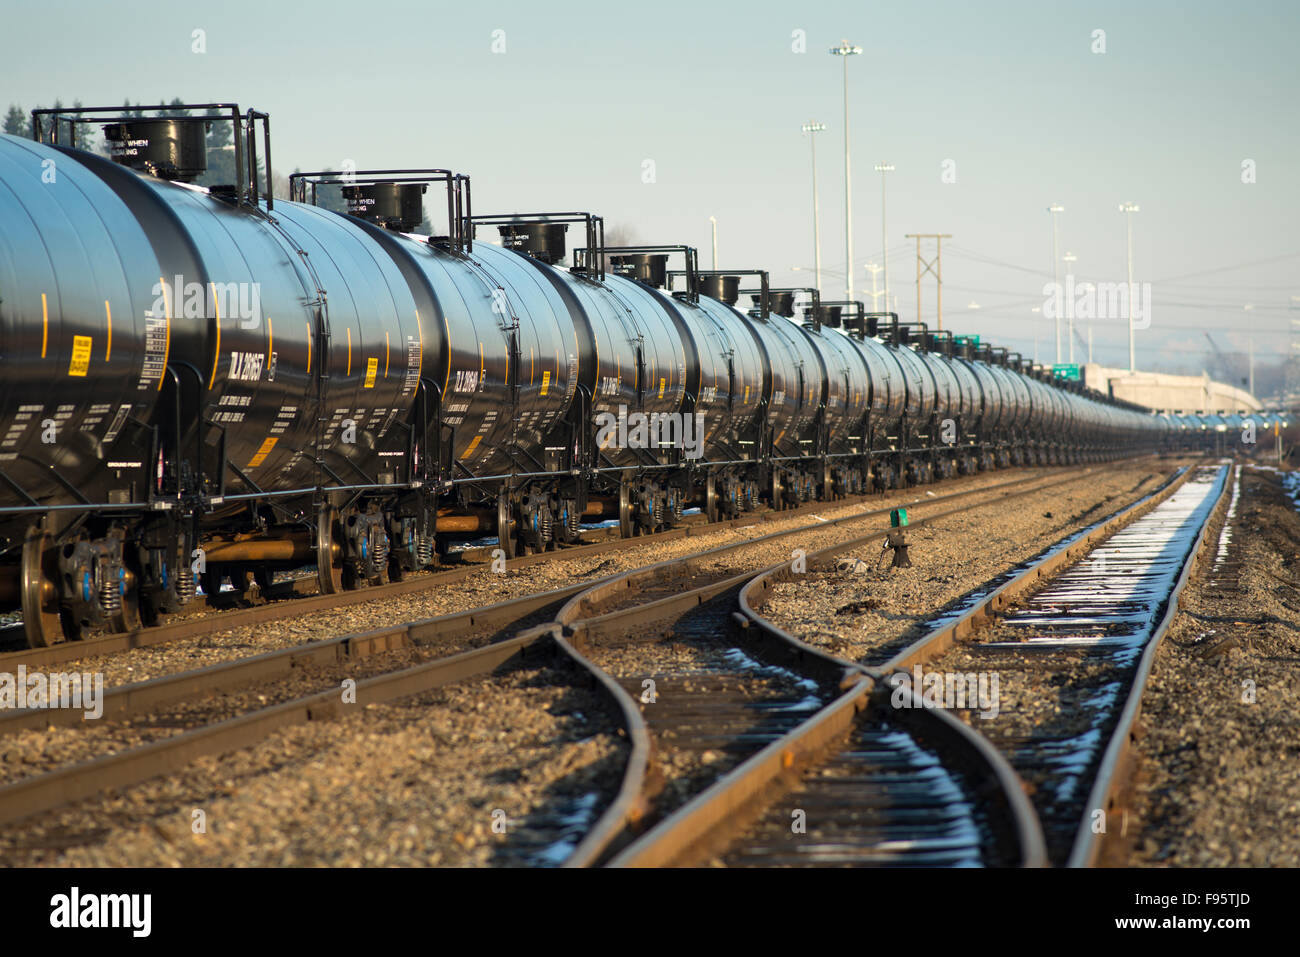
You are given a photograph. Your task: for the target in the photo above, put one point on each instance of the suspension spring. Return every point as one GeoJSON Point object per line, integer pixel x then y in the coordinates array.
{"type": "Point", "coordinates": [185, 586]}
{"type": "Point", "coordinates": [110, 593]}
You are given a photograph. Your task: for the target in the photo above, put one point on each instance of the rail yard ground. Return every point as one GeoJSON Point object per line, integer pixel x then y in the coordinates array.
{"type": "Point", "coordinates": [1219, 779]}
{"type": "Point", "coordinates": [513, 768]}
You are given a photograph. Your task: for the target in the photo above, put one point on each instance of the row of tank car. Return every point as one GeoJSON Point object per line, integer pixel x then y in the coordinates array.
{"type": "Point", "coordinates": [1222, 432]}
{"type": "Point", "coordinates": [239, 385]}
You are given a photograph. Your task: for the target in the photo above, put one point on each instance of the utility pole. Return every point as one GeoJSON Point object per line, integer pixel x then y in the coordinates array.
{"type": "Point", "coordinates": [1056, 270]}
{"type": "Point", "coordinates": [934, 266]}
{"type": "Point", "coordinates": [714, 221]}
{"type": "Point", "coordinates": [1129, 209]}
{"type": "Point", "coordinates": [1250, 353]}
{"type": "Point", "coordinates": [845, 50]}
{"type": "Point", "coordinates": [812, 128]}
{"type": "Point", "coordinates": [875, 294]}
{"type": "Point", "coordinates": [882, 168]}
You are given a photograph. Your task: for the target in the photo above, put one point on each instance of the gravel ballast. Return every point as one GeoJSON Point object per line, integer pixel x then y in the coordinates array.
{"type": "Point", "coordinates": [482, 587]}
{"type": "Point", "coordinates": [1219, 762]}
{"type": "Point", "coordinates": [866, 610]}
{"type": "Point", "coordinates": [418, 782]}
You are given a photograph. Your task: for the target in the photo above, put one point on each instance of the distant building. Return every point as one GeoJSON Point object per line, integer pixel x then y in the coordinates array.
{"type": "Point", "coordinates": [1174, 393]}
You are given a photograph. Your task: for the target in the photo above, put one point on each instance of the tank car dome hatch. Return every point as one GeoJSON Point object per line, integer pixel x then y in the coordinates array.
{"type": "Point", "coordinates": [778, 303]}
{"type": "Point", "coordinates": [395, 206]}
{"type": "Point", "coordinates": [172, 149]}
{"type": "Point", "coordinates": [543, 241]}
{"type": "Point", "coordinates": [649, 268]}
{"type": "Point", "coordinates": [722, 288]}
{"type": "Point", "coordinates": [826, 315]}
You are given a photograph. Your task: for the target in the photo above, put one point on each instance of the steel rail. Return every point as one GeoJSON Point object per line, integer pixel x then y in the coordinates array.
{"type": "Point", "coordinates": [140, 697]}
{"type": "Point", "coordinates": [193, 627]}
{"type": "Point", "coordinates": [938, 641]}
{"type": "Point", "coordinates": [28, 796]}
{"type": "Point", "coordinates": [41, 792]}
{"type": "Point", "coordinates": [1119, 760]}
{"type": "Point", "coordinates": [628, 582]}
{"type": "Point", "coordinates": [740, 787]}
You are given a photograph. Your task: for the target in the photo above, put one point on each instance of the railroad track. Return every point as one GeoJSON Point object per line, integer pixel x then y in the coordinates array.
{"type": "Point", "coordinates": [509, 621]}
{"type": "Point", "coordinates": [463, 629]}
{"type": "Point", "coordinates": [866, 782]}
{"type": "Point", "coordinates": [296, 598]}
{"type": "Point", "coordinates": [1071, 638]}
{"type": "Point", "coordinates": [711, 701]}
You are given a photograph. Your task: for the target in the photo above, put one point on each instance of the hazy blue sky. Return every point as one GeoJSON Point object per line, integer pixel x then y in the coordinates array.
{"type": "Point", "coordinates": [1012, 93]}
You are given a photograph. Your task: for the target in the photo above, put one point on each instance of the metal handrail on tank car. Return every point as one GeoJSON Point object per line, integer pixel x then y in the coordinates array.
{"type": "Point", "coordinates": [595, 226]}
{"type": "Point", "coordinates": [245, 153]}
{"type": "Point", "coordinates": [459, 199]}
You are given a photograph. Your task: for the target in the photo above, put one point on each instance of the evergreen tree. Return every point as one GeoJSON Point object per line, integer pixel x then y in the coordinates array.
{"type": "Point", "coordinates": [16, 122]}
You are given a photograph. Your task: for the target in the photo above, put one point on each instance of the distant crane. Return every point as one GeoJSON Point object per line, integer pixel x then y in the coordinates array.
{"type": "Point", "coordinates": [1087, 349]}
{"type": "Point", "coordinates": [1223, 361]}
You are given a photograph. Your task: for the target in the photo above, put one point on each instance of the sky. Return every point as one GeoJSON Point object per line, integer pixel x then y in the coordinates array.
{"type": "Point", "coordinates": [658, 116]}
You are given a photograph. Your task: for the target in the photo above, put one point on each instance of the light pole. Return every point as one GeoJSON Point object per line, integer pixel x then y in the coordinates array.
{"type": "Point", "coordinates": [846, 51]}
{"type": "Point", "coordinates": [1056, 271]}
{"type": "Point", "coordinates": [714, 221]}
{"type": "Point", "coordinates": [1129, 209]}
{"type": "Point", "coordinates": [1069, 259]}
{"type": "Point", "coordinates": [1036, 310]}
{"type": "Point", "coordinates": [883, 168]}
{"type": "Point", "coordinates": [812, 128]}
{"type": "Point", "coordinates": [1250, 354]}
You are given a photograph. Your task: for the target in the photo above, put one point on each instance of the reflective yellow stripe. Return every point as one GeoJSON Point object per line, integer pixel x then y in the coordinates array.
{"type": "Point", "coordinates": [270, 341]}
{"type": "Point", "coordinates": [108, 349]}
{"type": "Point", "coordinates": [349, 372]}
{"type": "Point", "coordinates": [45, 325]}
{"type": "Point", "coordinates": [386, 351]}
{"type": "Point", "coordinates": [216, 354]}
{"type": "Point", "coordinates": [308, 346]}
{"type": "Point", "coordinates": [167, 344]}
{"type": "Point", "coordinates": [419, 360]}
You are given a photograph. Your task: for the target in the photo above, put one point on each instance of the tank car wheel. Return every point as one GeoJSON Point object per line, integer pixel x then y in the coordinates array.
{"type": "Point", "coordinates": [210, 580]}
{"type": "Point", "coordinates": [626, 528]}
{"type": "Point", "coordinates": [127, 617]}
{"type": "Point", "coordinates": [41, 619]}
{"type": "Point", "coordinates": [171, 585]}
{"type": "Point", "coordinates": [778, 492]}
{"type": "Point", "coordinates": [712, 505]}
{"type": "Point", "coordinates": [505, 526]}
{"type": "Point", "coordinates": [329, 551]}
{"type": "Point", "coordinates": [262, 579]}
{"type": "Point", "coordinates": [828, 484]}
